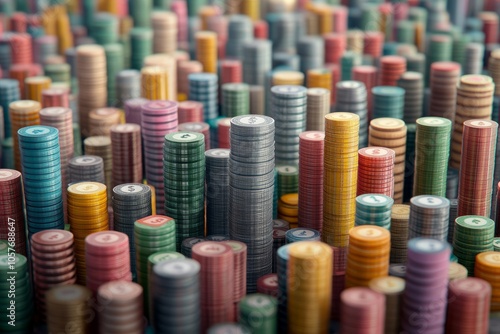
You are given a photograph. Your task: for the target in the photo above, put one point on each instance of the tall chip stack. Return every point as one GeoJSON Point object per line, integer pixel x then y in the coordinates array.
{"type": "Point", "coordinates": [127, 153]}
{"type": "Point", "coordinates": [413, 84]}
{"type": "Point", "coordinates": [206, 50]}
{"type": "Point", "coordinates": [164, 26]}
{"type": "Point", "coordinates": [216, 193]}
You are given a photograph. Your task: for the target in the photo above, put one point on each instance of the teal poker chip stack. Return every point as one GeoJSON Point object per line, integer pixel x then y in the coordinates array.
{"type": "Point", "coordinates": [413, 84]}
{"type": "Point", "coordinates": [348, 60]}
{"type": "Point", "coordinates": [311, 50]}
{"type": "Point", "coordinates": [9, 92]}
{"type": "Point", "coordinates": [432, 150]}
{"type": "Point", "coordinates": [405, 32]}
{"type": "Point", "coordinates": [262, 307]}
{"type": "Point", "coordinates": [288, 180]}
{"type": "Point", "coordinates": [41, 167]}
{"type": "Point", "coordinates": [257, 61]}
{"type": "Point", "coordinates": [104, 28]}
{"type": "Point", "coordinates": [416, 63]}
{"type": "Point", "coordinates": [86, 168]}
{"type": "Point", "coordinates": [459, 45]}
{"type": "Point", "coordinates": [235, 99]}
{"type": "Point", "coordinates": [390, 49]}
{"type": "Point", "coordinates": [203, 87]}
{"type": "Point", "coordinates": [58, 73]}
{"type": "Point", "coordinates": [141, 44]}
{"type": "Point", "coordinates": [184, 181]}
{"type": "Point", "coordinates": [114, 66]}
{"type": "Point", "coordinates": [22, 299]}
{"type": "Point", "coordinates": [388, 101]}
{"type": "Point", "coordinates": [188, 243]}
{"type": "Point", "coordinates": [282, 59]}
{"type": "Point", "coordinates": [473, 235]}
{"type": "Point", "coordinates": [374, 209]}
{"type": "Point", "coordinates": [301, 234]}
{"type": "Point", "coordinates": [140, 10]}
{"type": "Point", "coordinates": [370, 16]}
{"type": "Point", "coordinates": [216, 194]}
{"type": "Point", "coordinates": [429, 217]}
{"type": "Point", "coordinates": [239, 32]}
{"type": "Point", "coordinates": [496, 244]}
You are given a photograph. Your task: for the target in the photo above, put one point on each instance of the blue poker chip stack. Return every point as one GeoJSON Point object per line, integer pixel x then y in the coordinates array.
{"type": "Point", "coordinates": [302, 234]}
{"type": "Point", "coordinates": [311, 50]}
{"type": "Point", "coordinates": [9, 92]}
{"type": "Point", "coordinates": [203, 87]}
{"type": "Point", "coordinates": [374, 209]}
{"type": "Point", "coordinates": [388, 101]}
{"type": "Point", "coordinates": [347, 62]}
{"type": "Point", "coordinates": [286, 60]}
{"type": "Point", "coordinates": [282, 31]}
{"type": "Point", "coordinates": [240, 31]}
{"type": "Point", "coordinates": [41, 165]}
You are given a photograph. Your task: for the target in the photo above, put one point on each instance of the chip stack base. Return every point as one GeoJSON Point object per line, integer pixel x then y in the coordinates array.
{"type": "Point", "coordinates": [282, 271]}
{"type": "Point", "coordinates": [11, 209]}
{"type": "Point", "coordinates": [392, 288]}
{"type": "Point", "coordinates": [68, 304]}
{"type": "Point", "coordinates": [362, 309]}
{"type": "Point", "coordinates": [376, 171]}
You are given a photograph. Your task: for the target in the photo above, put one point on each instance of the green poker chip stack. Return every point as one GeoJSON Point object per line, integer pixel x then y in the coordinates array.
{"type": "Point", "coordinates": [473, 235]}
{"type": "Point", "coordinates": [405, 32]}
{"type": "Point", "coordinates": [262, 307]}
{"type": "Point", "coordinates": [58, 73]}
{"type": "Point", "coordinates": [114, 65]}
{"type": "Point", "coordinates": [141, 44]}
{"type": "Point", "coordinates": [288, 180]}
{"type": "Point", "coordinates": [104, 28]}
{"type": "Point", "coordinates": [235, 99]}
{"type": "Point", "coordinates": [460, 42]}
{"type": "Point", "coordinates": [374, 209]}
{"type": "Point", "coordinates": [347, 62]}
{"type": "Point", "coordinates": [432, 150]}
{"type": "Point", "coordinates": [496, 244]}
{"type": "Point", "coordinates": [140, 10]}
{"type": "Point", "coordinates": [370, 17]}
{"type": "Point", "coordinates": [388, 101]}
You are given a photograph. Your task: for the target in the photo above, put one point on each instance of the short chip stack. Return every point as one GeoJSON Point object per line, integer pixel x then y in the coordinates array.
{"type": "Point", "coordinates": [443, 83]}
{"type": "Point", "coordinates": [101, 146]}
{"type": "Point", "coordinates": [127, 153]}
{"type": "Point", "coordinates": [429, 217]}
{"type": "Point", "coordinates": [86, 168]}
{"type": "Point", "coordinates": [362, 309]}
{"type": "Point", "coordinates": [351, 96]}
{"type": "Point", "coordinates": [101, 120]}
{"type": "Point", "coordinates": [413, 84]}
{"type": "Point", "coordinates": [374, 209]}
{"type": "Point", "coordinates": [400, 217]}
{"type": "Point", "coordinates": [68, 304]}
{"type": "Point", "coordinates": [22, 113]}
{"type": "Point", "coordinates": [153, 83]}
{"type": "Point", "coordinates": [288, 209]}
{"type": "Point", "coordinates": [388, 102]}
{"type": "Point", "coordinates": [376, 171]}
{"type": "Point", "coordinates": [391, 69]}
{"type": "Point", "coordinates": [217, 179]}
{"type": "Point", "coordinates": [262, 306]}
{"type": "Point", "coordinates": [487, 268]}
{"type": "Point", "coordinates": [34, 87]}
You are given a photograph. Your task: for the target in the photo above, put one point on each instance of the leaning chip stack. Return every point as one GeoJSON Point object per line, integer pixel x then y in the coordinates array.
{"type": "Point", "coordinates": [217, 180]}
{"type": "Point", "coordinates": [429, 217]}
{"type": "Point", "coordinates": [351, 96]}
{"type": "Point", "coordinates": [487, 268]}
{"type": "Point", "coordinates": [388, 102]}
{"type": "Point", "coordinates": [235, 99]}
{"type": "Point", "coordinates": [240, 271]}
{"type": "Point", "coordinates": [318, 105]}
{"type": "Point", "coordinates": [68, 304]}
{"type": "Point", "coordinates": [127, 153]}
{"type": "Point", "coordinates": [262, 306]}
{"type": "Point", "coordinates": [11, 209]}
{"type": "Point", "coordinates": [203, 87]}
{"type": "Point", "coordinates": [362, 310]}
{"type": "Point", "coordinates": [413, 84]}
{"type": "Point", "coordinates": [400, 217]}
{"type": "Point", "coordinates": [374, 209]}
{"type": "Point", "coordinates": [376, 171]}
{"type": "Point", "coordinates": [101, 120]}
{"type": "Point", "coordinates": [443, 83]}
{"type": "Point", "coordinates": [22, 113]}
{"type": "Point", "coordinates": [288, 209]}
{"type": "Point", "coordinates": [392, 288]}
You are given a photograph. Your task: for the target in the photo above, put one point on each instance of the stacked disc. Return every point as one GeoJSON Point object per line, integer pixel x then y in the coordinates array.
{"type": "Point", "coordinates": [158, 119]}
{"type": "Point", "coordinates": [240, 32]}
{"type": "Point", "coordinates": [288, 179]}
{"type": "Point", "coordinates": [309, 296]}
{"type": "Point", "coordinates": [68, 304]}
{"type": "Point", "coordinates": [391, 69]}
{"type": "Point", "coordinates": [374, 209]}
{"type": "Point", "coordinates": [164, 32]}
{"type": "Point", "coordinates": [367, 255]}
{"type": "Point", "coordinates": [133, 109]}
{"type": "Point", "coordinates": [87, 214]}
{"type": "Point", "coordinates": [235, 99]}
{"type": "Point", "coordinates": [41, 166]}
{"type": "Point", "coordinates": [91, 73]}
{"type": "Point", "coordinates": [206, 50]}
{"type": "Point", "coordinates": [107, 258]}
{"type": "Point", "coordinates": [34, 87]}
{"type": "Point", "coordinates": [376, 171]}
{"type": "Point", "coordinates": [128, 87]}
{"type": "Point", "coordinates": [223, 128]}
{"type": "Point", "coordinates": [175, 296]}
{"type": "Point", "coordinates": [319, 78]}
{"type": "Point", "coordinates": [413, 84]}
{"type": "Point", "coordinates": [86, 168]}
{"type": "Point", "coordinates": [141, 42]}
{"type": "Point", "coordinates": [443, 84]}
{"type": "Point", "coordinates": [477, 167]}
{"type": "Point", "coordinates": [101, 120]}
{"type": "Point", "coordinates": [311, 154]}
{"type": "Point", "coordinates": [496, 244]}
{"type": "Point", "coordinates": [9, 92]}
{"type": "Point", "coordinates": [278, 241]}
{"type": "Point", "coordinates": [153, 83]}
{"type": "Point", "coordinates": [101, 146]}
{"type": "Point", "coordinates": [439, 49]}
{"type": "Point", "coordinates": [372, 44]}
{"type": "Point", "coordinates": [21, 114]}
{"type": "Point", "coordinates": [456, 271]}
{"type": "Point", "coordinates": [287, 78]}
{"type": "Point", "coordinates": [318, 105]}
{"type": "Point", "coordinates": [351, 96]}
{"type": "Point", "coordinates": [199, 127]}
{"type": "Point", "coordinates": [58, 73]}
{"type": "Point", "coordinates": [392, 288]}
{"type": "Point", "coordinates": [262, 307]}
{"type": "Point", "coordinates": [11, 209]}
{"type": "Point", "coordinates": [240, 271]}
{"type": "Point", "coordinates": [362, 310]}
{"type": "Point", "coordinates": [288, 209]}
{"type": "Point", "coordinates": [335, 45]}
{"type": "Point", "coordinates": [217, 282]}
{"type": "Point", "coordinates": [131, 201]}
{"type": "Point", "coordinates": [349, 60]}
{"type": "Point", "coordinates": [188, 243]}
{"type": "Point", "coordinates": [429, 217]}
{"type": "Point", "coordinates": [473, 62]}
{"type": "Point", "coordinates": [43, 47]}
{"type": "Point", "coordinates": [184, 69]}
{"type": "Point", "coordinates": [217, 180]}
{"type": "Point", "coordinates": [311, 52]}
{"type": "Point", "coordinates": [400, 217]}
{"type": "Point", "coordinates": [126, 153]}
{"type": "Point", "coordinates": [152, 260]}
{"type": "Point", "coordinates": [474, 100]}
{"type": "Point", "coordinates": [203, 87]}
{"type": "Point", "coordinates": [424, 299]}
{"type": "Point", "coordinates": [53, 260]}
{"type": "Point", "coordinates": [431, 156]}
{"type": "Point", "coordinates": [122, 307]}
{"type": "Point", "coordinates": [301, 234]}
{"type": "Point", "coordinates": [257, 61]}
{"type": "Point", "coordinates": [340, 178]}
{"type": "Point", "coordinates": [289, 106]}
{"type": "Point", "coordinates": [391, 133]}
{"type": "Point", "coordinates": [487, 268]}
{"type": "Point", "coordinates": [368, 76]}
{"type": "Point", "coordinates": [268, 285]}
{"type": "Point", "coordinates": [388, 102]}
{"type": "Point", "coordinates": [104, 28]}
{"type": "Point", "coordinates": [494, 69]}
{"type": "Point", "coordinates": [251, 186]}
{"type": "Point", "coordinates": [230, 71]}
{"type": "Point", "coordinates": [473, 235]}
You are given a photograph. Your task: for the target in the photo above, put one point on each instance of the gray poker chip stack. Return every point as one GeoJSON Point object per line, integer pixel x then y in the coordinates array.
{"type": "Point", "coordinates": [351, 96]}
{"type": "Point", "coordinates": [473, 63]}
{"type": "Point", "coordinates": [283, 59]}
{"type": "Point", "coordinates": [311, 50]}
{"type": "Point", "coordinates": [429, 217]}
{"type": "Point", "coordinates": [216, 191]}
{"type": "Point", "coordinates": [240, 31]}
{"type": "Point", "coordinates": [128, 86]}
{"type": "Point", "coordinates": [86, 168]}
{"type": "Point", "coordinates": [282, 31]}
{"type": "Point", "coordinates": [256, 59]}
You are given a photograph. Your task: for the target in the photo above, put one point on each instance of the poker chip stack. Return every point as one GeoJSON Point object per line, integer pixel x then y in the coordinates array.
{"type": "Point", "coordinates": [473, 62]}
{"type": "Point", "coordinates": [319, 78]}
{"type": "Point", "coordinates": [235, 99]}
{"type": "Point", "coordinates": [431, 156]}
{"type": "Point", "coordinates": [487, 267]}
{"type": "Point", "coordinates": [22, 113]}
{"type": "Point", "coordinates": [68, 304]}
{"type": "Point", "coordinates": [55, 97]}
{"type": "Point", "coordinates": [11, 208]}
{"type": "Point", "coordinates": [58, 73]}
{"type": "Point", "coordinates": [311, 52]}
{"type": "Point", "coordinates": [101, 120]}
{"type": "Point", "coordinates": [429, 217]}
{"type": "Point", "coordinates": [424, 298]}
{"type": "Point", "coordinates": [340, 177]}
{"type": "Point", "coordinates": [206, 50]}
{"type": "Point", "coordinates": [318, 105]}
{"type": "Point", "coordinates": [86, 168]}
{"type": "Point", "coordinates": [287, 78]}
{"type": "Point", "coordinates": [34, 87]}
{"type": "Point", "coordinates": [125, 299]}
{"type": "Point", "coordinates": [288, 179]}
{"type": "Point", "coordinates": [256, 60]}
{"type": "Point", "coordinates": [230, 71]}
{"type": "Point", "coordinates": [374, 209]}
{"type": "Point", "coordinates": [126, 153]}
{"type": "Point", "coordinates": [251, 185]}
{"type": "Point", "coordinates": [388, 102]}
{"type": "Point", "coordinates": [391, 133]}
{"type": "Point", "coordinates": [223, 128]}
{"type": "Point", "coordinates": [107, 258]}
{"type": "Point", "coordinates": [413, 84]}
{"type": "Point", "coordinates": [199, 127]}
{"type": "Point", "coordinates": [391, 69]}
{"type": "Point", "coordinates": [263, 307]}
{"type": "Point", "coordinates": [496, 244]}
{"type": "Point", "coordinates": [400, 217]}
{"type": "Point", "coordinates": [473, 235]}
{"type": "Point", "coordinates": [184, 69]}
{"type": "Point", "coordinates": [114, 65]}
{"type": "Point", "coordinates": [376, 171]}
{"type": "Point", "coordinates": [40, 158]}
{"type": "Point", "coordinates": [392, 288]}
{"type": "Point", "coordinates": [443, 84]}
{"type": "Point", "coordinates": [278, 241]}
{"type": "Point", "coordinates": [91, 74]}
{"type": "Point", "coordinates": [217, 180]}
{"type": "Point", "coordinates": [351, 96]}
{"type": "Point", "coordinates": [240, 32]}
{"type": "Point", "coordinates": [190, 111]}
{"type": "Point", "coordinates": [349, 60]}
{"type": "Point", "coordinates": [282, 271]}
{"type": "Point", "coordinates": [53, 260]}
{"type": "Point", "coordinates": [104, 28]}
{"type": "Point", "coordinates": [43, 47]}
{"type": "Point", "coordinates": [309, 302]}
{"type": "Point", "coordinates": [240, 271]}
{"type": "Point", "coordinates": [474, 100]}
{"type": "Point", "coordinates": [87, 214]}
{"type": "Point", "coordinates": [268, 285]}
{"type": "Point", "coordinates": [133, 109]}
{"type": "Point", "coordinates": [362, 309]}
{"type": "Point", "coordinates": [101, 146]}
{"type": "Point", "coordinates": [153, 82]}
{"type": "Point", "coordinates": [188, 243]}
{"type": "Point", "coordinates": [368, 76]}
{"type": "Point", "coordinates": [439, 49]}
{"type": "Point", "coordinates": [457, 271]}
{"type": "Point", "coordinates": [288, 209]}
{"type": "Point", "coordinates": [164, 26]}
{"type": "Point", "coordinates": [203, 87]}
{"type": "Point", "coordinates": [128, 87]}
{"type": "Point", "coordinates": [141, 44]}
{"type": "Point", "coordinates": [175, 296]}
{"type": "Point", "coordinates": [158, 119]}
{"type": "Point", "coordinates": [9, 92]}
{"type": "Point", "coordinates": [289, 106]}
{"type": "Point", "coordinates": [301, 234]}
{"type": "Point", "coordinates": [335, 45]}
{"type": "Point", "coordinates": [311, 155]}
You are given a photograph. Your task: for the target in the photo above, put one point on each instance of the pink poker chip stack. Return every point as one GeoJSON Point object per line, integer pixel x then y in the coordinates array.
{"type": "Point", "coordinates": [376, 171]}
{"type": "Point", "coordinates": [240, 271]}
{"type": "Point", "coordinates": [179, 7]}
{"type": "Point", "coordinates": [260, 30]}
{"type": "Point", "coordinates": [373, 43]}
{"type": "Point", "coordinates": [19, 22]}
{"type": "Point", "coordinates": [127, 153]}
{"type": "Point", "coordinates": [335, 46]}
{"type": "Point", "coordinates": [230, 71]}
{"type": "Point", "coordinates": [369, 76]}
{"type": "Point", "coordinates": [22, 51]}
{"type": "Point", "coordinates": [218, 24]}
{"type": "Point", "coordinates": [55, 97]}
{"type": "Point", "coordinates": [133, 110]}
{"type": "Point", "coordinates": [340, 19]}
{"type": "Point", "coordinates": [268, 285]}
{"type": "Point", "coordinates": [362, 311]}
{"type": "Point", "coordinates": [443, 82]}
{"type": "Point", "coordinates": [184, 69]}
{"type": "Point", "coordinates": [190, 111]}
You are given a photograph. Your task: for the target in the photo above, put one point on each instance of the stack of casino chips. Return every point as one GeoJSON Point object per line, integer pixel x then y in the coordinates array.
{"type": "Point", "coordinates": [11, 209]}
{"type": "Point", "coordinates": [351, 96]}
{"type": "Point", "coordinates": [487, 268]}
{"type": "Point", "coordinates": [429, 217]}
{"type": "Point", "coordinates": [127, 153]}
{"type": "Point", "coordinates": [362, 309]}
{"type": "Point", "coordinates": [376, 171]}
{"type": "Point", "coordinates": [68, 304]}
{"type": "Point", "coordinates": [263, 307]}
{"type": "Point", "coordinates": [164, 32]}
{"type": "Point", "coordinates": [413, 84]}
{"type": "Point", "coordinates": [392, 288]}
{"type": "Point", "coordinates": [203, 87]}
{"type": "Point", "coordinates": [288, 209]}
{"type": "Point", "coordinates": [22, 113]}
{"type": "Point", "coordinates": [318, 105]}
{"type": "Point", "coordinates": [200, 127]}
{"type": "Point", "coordinates": [374, 209]}
{"type": "Point", "coordinates": [240, 271]}
{"type": "Point", "coordinates": [190, 111]}
{"type": "Point", "coordinates": [101, 120]}
{"type": "Point", "coordinates": [268, 285]}
{"type": "Point", "coordinates": [188, 243]}
{"type": "Point", "coordinates": [457, 271]}
{"type": "Point", "coordinates": [282, 271]}
{"type": "Point", "coordinates": [86, 168]}
{"type": "Point", "coordinates": [9, 90]}
{"type": "Point", "coordinates": [400, 216]}
{"type": "Point", "coordinates": [256, 61]}
{"type": "Point", "coordinates": [101, 146]}
{"type": "Point", "coordinates": [388, 102]}
{"type": "Point", "coordinates": [206, 50]}
{"type": "Point", "coordinates": [288, 179]}
{"type": "Point", "coordinates": [216, 193]}
{"type": "Point", "coordinates": [391, 69]}
{"type": "Point", "coordinates": [301, 234]}
{"type": "Point", "coordinates": [128, 87]}
{"type": "Point", "coordinates": [235, 99]}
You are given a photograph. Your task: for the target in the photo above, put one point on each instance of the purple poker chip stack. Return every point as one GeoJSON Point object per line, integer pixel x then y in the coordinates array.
{"type": "Point", "coordinates": [133, 110]}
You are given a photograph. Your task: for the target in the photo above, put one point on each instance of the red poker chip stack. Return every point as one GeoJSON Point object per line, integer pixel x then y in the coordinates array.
{"type": "Point", "coordinates": [107, 257]}
{"type": "Point", "coordinates": [19, 22]}
{"type": "Point", "coordinates": [22, 50]}
{"type": "Point", "coordinates": [373, 43]}
{"type": "Point", "coordinates": [362, 311]}
{"type": "Point", "coordinates": [11, 208]}
{"type": "Point", "coordinates": [468, 306]}
{"type": "Point", "coordinates": [20, 72]}
{"type": "Point", "coordinates": [260, 30]}
{"type": "Point", "coordinates": [335, 46]}
{"type": "Point", "coordinates": [376, 171]}
{"type": "Point", "coordinates": [200, 127]}
{"type": "Point", "coordinates": [190, 111]}
{"type": "Point", "coordinates": [240, 272]}
{"type": "Point", "coordinates": [127, 153]}
{"type": "Point", "coordinates": [184, 69]}
{"type": "Point", "coordinates": [490, 27]}
{"type": "Point", "coordinates": [55, 97]}
{"type": "Point", "coordinates": [340, 19]}
{"type": "Point", "coordinates": [477, 167]}
{"type": "Point", "coordinates": [369, 76]}
{"type": "Point", "coordinates": [311, 153]}
{"type": "Point", "coordinates": [268, 285]}
{"type": "Point", "coordinates": [216, 282]}
{"type": "Point", "coordinates": [391, 68]}
{"type": "Point", "coordinates": [443, 82]}
{"type": "Point", "coordinates": [230, 71]}
{"type": "Point", "coordinates": [223, 127]}
{"type": "Point", "coordinates": [53, 259]}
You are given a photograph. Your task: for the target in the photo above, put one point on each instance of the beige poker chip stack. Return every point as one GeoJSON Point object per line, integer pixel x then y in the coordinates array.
{"type": "Point", "coordinates": [494, 69]}
{"type": "Point", "coordinates": [355, 42]}
{"type": "Point", "coordinates": [101, 146]}
{"type": "Point", "coordinates": [288, 78]}
{"type": "Point", "coordinates": [102, 119]}
{"type": "Point", "coordinates": [206, 50]}
{"type": "Point", "coordinates": [400, 217]}
{"type": "Point", "coordinates": [456, 271]}
{"type": "Point", "coordinates": [184, 69]}
{"type": "Point", "coordinates": [22, 113]}
{"type": "Point", "coordinates": [164, 32]}
{"type": "Point", "coordinates": [169, 63]}
{"type": "Point", "coordinates": [318, 105]}
{"type": "Point", "coordinates": [92, 81]}
{"type": "Point", "coordinates": [474, 100]}
{"type": "Point", "coordinates": [391, 133]}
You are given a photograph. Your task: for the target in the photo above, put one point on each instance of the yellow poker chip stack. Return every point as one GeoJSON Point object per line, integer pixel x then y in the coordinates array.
{"type": "Point", "coordinates": [206, 50]}
{"type": "Point", "coordinates": [288, 209]}
{"type": "Point", "coordinates": [367, 255]}
{"type": "Point", "coordinates": [250, 8]}
{"type": "Point", "coordinates": [340, 177]}
{"type": "Point", "coordinates": [169, 63]}
{"type": "Point", "coordinates": [288, 78]}
{"type": "Point", "coordinates": [153, 83]}
{"type": "Point", "coordinates": [34, 87]}
{"type": "Point", "coordinates": [487, 267]}
{"type": "Point", "coordinates": [309, 287]}
{"type": "Point", "coordinates": [319, 78]}
{"type": "Point", "coordinates": [22, 113]}
{"type": "Point", "coordinates": [321, 17]}
{"type": "Point", "coordinates": [87, 213]}
{"type": "Point", "coordinates": [391, 133]}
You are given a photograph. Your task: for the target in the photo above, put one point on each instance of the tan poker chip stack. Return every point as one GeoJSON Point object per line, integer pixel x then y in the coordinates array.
{"type": "Point", "coordinates": [102, 119]}
{"type": "Point", "coordinates": [101, 147]}
{"type": "Point", "coordinates": [355, 42]}
{"type": "Point", "coordinates": [206, 50]}
{"type": "Point", "coordinates": [319, 78]}
{"type": "Point", "coordinates": [288, 78]}
{"type": "Point", "coordinates": [391, 133]}
{"type": "Point", "coordinates": [22, 113]}
{"type": "Point", "coordinates": [443, 82]}
{"type": "Point", "coordinates": [92, 81]}
{"type": "Point", "coordinates": [456, 271]}
{"type": "Point", "coordinates": [474, 100]}
{"type": "Point", "coordinates": [318, 105]}
{"type": "Point", "coordinates": [164, 32]}
{"type": "Point", "coordinates": [34, 87]}
{"type": "Point", "coordinates": [68, 306]}
{"type": "Point", "coordinates": [169, 63]}
{"type": "Point", "coordinates": [184, 69]}
{"type": "Point", "coordinates": [400, 217]}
